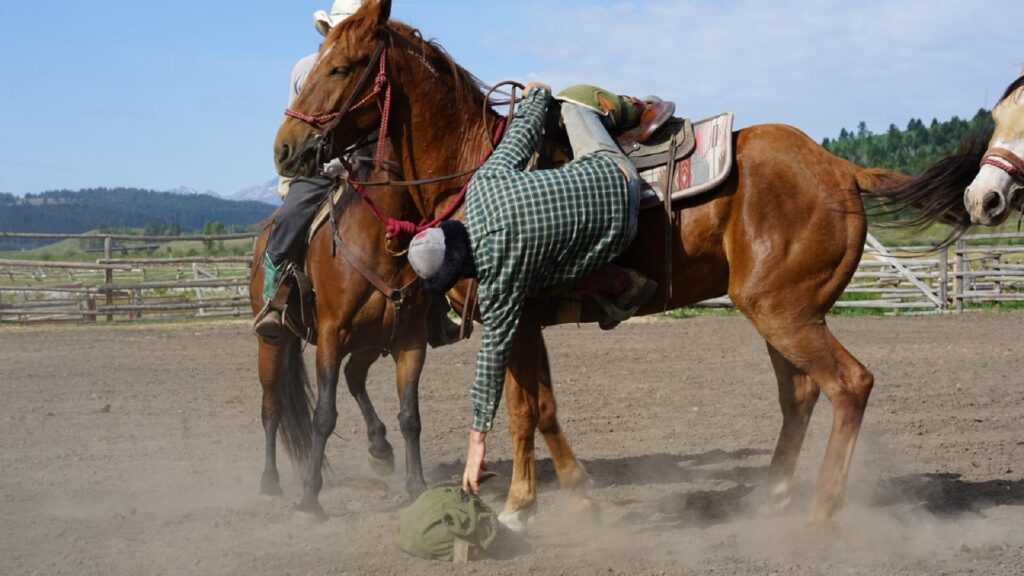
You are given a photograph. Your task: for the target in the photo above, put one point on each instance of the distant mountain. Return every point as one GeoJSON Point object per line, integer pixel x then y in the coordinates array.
{"type": "Point", "coordinates": [266, 193]}
{"type": "Point", "coordinates": [73, 212]}
{"type": "Point", "coordinates": [190, 191]}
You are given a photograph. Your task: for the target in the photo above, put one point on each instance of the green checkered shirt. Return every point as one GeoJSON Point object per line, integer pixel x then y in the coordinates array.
{"type": "Point", "coordinates": [534, 230]}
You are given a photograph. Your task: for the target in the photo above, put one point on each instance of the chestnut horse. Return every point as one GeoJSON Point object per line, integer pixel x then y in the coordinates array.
{"type": "Point", "coordinates": [782, 237]}
{"type": "Point", "coordinates": [355, 319]}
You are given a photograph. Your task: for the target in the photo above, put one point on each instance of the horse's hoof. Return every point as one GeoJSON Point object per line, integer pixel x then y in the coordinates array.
{"type": "Point", "coordinates": [586, 508]}
{"type": "Point", "coordinates": [310, 512]}
{"type": "Point", "coordinates": [765, 500]}
{"type": "Point", "coordinates": [273, 490]}
{"type": "Point", "coordinates": [415, 488]}
{"type": "Point", "coordinates": [518, 521]}
{"type": "Point", "coordinates": [382, 466]}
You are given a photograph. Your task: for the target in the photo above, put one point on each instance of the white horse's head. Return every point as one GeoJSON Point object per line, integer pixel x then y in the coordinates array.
{"type": "Point", "coordinates": [999, 185]}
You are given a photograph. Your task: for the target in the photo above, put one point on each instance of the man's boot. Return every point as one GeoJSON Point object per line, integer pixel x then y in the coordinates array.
{"type": "Point", "coordinates": [631, 120]}
{"type": "Point", "coordinates": [623, 306]}
{"type": "Point", "coordinates": [267, 324]}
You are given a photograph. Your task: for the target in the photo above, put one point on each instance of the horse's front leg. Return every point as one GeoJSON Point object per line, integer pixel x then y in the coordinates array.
{"type": "Point", "coordinates": [325, 416]}
{"type": "Point", "coordinates": [382, 455]}
{"type": "Point", "coordinates": [270, 373]}
{"type": "Point", "coordinates": [523, 408]}
{"type": "Point", "coordinates": [408, 367]}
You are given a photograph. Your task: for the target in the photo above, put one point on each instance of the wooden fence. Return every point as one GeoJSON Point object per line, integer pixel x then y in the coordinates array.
{"type": "Point", "coordinates": [123, 289]}
{"type": "Point", "coordinates": [980, 269]}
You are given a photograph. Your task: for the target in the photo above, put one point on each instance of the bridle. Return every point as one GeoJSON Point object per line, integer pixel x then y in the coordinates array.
{"type": "Point", "coordinates": [381, 93]}
{"type": "Point", "coordinates": [394, 228]}
{"type": "Point", "coordinates": [1006, 161]}
{"type": "Point", "coordinates": [327, 123]}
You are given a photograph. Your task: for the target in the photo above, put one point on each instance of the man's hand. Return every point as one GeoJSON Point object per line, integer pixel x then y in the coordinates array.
{"type": "Point", "coordinates": [531, 86]}
{"type": "Point", "coordinates": [474, 461]}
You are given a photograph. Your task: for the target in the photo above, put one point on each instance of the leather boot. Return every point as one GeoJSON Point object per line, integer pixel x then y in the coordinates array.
{"type": "Point", "coordinates": [625, 305]}
{"type": "Point", "coordinates": [267, 324]}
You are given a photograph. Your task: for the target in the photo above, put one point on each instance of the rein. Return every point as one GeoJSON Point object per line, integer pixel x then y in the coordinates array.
{"type": "Point", "coordinates": [395, 228]}
{"type": "Point", "coordinates": [327, 123]}
{"type": "Point", "coordinates": [1006, 161]}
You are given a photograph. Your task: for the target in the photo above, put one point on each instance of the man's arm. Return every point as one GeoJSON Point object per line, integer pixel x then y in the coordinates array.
{"type": "Point", "coordinates": [521, 137]}
{"type": "Point", "coordinates": [500, 314]}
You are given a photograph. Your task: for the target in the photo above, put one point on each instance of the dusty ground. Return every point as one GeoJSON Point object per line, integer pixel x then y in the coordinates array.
{"type": "Point", "coordinates": [675, 421]}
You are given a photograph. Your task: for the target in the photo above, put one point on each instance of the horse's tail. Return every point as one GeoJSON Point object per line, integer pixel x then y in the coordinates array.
{"type": "Point", "coordinates": [878, 182]}
{"type": "Point", "coordinates": [936, 196]}
{"type": "Point", "coordinates": [296, 397]}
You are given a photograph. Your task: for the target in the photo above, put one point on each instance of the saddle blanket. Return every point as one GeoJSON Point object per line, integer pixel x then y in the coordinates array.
{"type": "Point", "coordinates": [703, 170]}
{"type": "Point", "coordinates": [323, 215]}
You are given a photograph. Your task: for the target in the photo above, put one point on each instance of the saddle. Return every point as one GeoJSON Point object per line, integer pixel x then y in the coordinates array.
{"type": "Point", "coordinates": [684, 158]}
{"type": "Point", "coordinates": [656, 113]}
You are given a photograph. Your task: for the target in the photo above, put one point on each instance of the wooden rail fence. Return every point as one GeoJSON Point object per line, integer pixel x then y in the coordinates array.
{"type": "Point", "coordinates": [979, 269]}
{"type": "Point", "coordinates": [123, 289]}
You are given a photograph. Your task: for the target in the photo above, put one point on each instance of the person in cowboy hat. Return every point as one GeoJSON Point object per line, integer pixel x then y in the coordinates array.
{"type": "Point", "coordinates": [302, 196]}
{"type": "Point", "coordinates": [527, 232]}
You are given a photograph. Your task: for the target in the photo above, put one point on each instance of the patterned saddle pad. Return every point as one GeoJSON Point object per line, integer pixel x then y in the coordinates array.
{"type": "Point", "coordinates": [701, 164]}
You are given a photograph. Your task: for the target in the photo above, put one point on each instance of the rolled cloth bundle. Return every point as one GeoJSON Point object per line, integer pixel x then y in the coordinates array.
{"type": "Point", "coordinates": [430, 527]}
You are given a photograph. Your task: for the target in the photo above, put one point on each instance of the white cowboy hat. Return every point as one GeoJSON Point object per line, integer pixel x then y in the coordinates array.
{"type": "Point", "coordinates": [341, 10]}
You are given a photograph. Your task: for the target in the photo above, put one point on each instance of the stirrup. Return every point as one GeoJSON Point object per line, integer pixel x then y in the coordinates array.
{"type": "Point", "coordinates": [616, 312]}
{"type": "Point", "coordinates": [268, 324]}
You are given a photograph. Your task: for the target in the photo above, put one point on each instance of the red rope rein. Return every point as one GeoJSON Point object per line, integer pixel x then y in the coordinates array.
{"type": "Point", "coordinates": [397, 229]}
{"type": "Point", "coordinates": [380, 84]}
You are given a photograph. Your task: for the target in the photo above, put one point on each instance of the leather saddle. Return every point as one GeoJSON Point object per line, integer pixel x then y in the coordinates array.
{"type": "Point", "coordinates": [672, 141]}
{"type": "Point", "coordinates": [656, 113]}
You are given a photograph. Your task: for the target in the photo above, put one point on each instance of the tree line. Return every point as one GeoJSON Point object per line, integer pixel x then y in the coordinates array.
{"type": "Point", "coordinates": [910, 150]}
{"type": "Point", "coordinates": [155, 213]}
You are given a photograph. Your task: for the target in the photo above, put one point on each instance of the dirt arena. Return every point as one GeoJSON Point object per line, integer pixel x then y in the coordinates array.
{"type": "Point", "coordinates": [137, 450]}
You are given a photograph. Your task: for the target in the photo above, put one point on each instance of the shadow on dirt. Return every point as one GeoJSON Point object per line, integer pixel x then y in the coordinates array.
{"type": "Point", "coordinates": [947, 494]}
{"type": "Point", "coordinates": [650, 469]}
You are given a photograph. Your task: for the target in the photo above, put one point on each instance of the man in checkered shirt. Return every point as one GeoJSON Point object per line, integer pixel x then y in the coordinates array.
{"type": "Point", "coordinates": [526, 232]}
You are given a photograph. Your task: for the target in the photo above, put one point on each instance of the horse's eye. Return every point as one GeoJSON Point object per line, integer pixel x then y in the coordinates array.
{"type": "Point", "coordinates": [339, 71]}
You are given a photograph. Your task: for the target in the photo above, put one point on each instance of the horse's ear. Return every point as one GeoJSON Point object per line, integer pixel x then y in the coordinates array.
{"type": "Point", "coordinates": [384, 13]}
{"type": "Point", "coordinates": [1022, 71]}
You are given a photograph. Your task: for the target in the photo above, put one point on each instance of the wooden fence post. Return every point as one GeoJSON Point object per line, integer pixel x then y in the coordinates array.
{"type": "Point", "coordinates": [108, 274]}
{"type": "Point", "coordinates": [90, 309]}
{"type": "Point", "coordinates": [958, 268]}
{"type": "Point", "coordinates": [944, 278]}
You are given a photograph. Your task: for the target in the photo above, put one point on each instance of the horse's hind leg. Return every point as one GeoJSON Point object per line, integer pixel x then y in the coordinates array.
{"type": "Point", "coordinates": [813, 349]}
{"type": "Point", "coordinates": [408, 367]}
{"type": "Point", "coordinates": [382, 455]}
{"type": "Point", "coordinates": [270, 361]}
{"type": "Point", "coordinates": [797, 396]}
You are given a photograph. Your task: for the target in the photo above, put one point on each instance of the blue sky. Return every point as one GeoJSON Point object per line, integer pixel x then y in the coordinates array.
{"type": "Point", "coordinates": [190, 93]}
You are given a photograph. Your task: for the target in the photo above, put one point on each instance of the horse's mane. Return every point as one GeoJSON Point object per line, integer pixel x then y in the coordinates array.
{"type": "Point", "coordinates": [469, 90]}
{"type": "Point", "coordinates": [1016, 85]}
